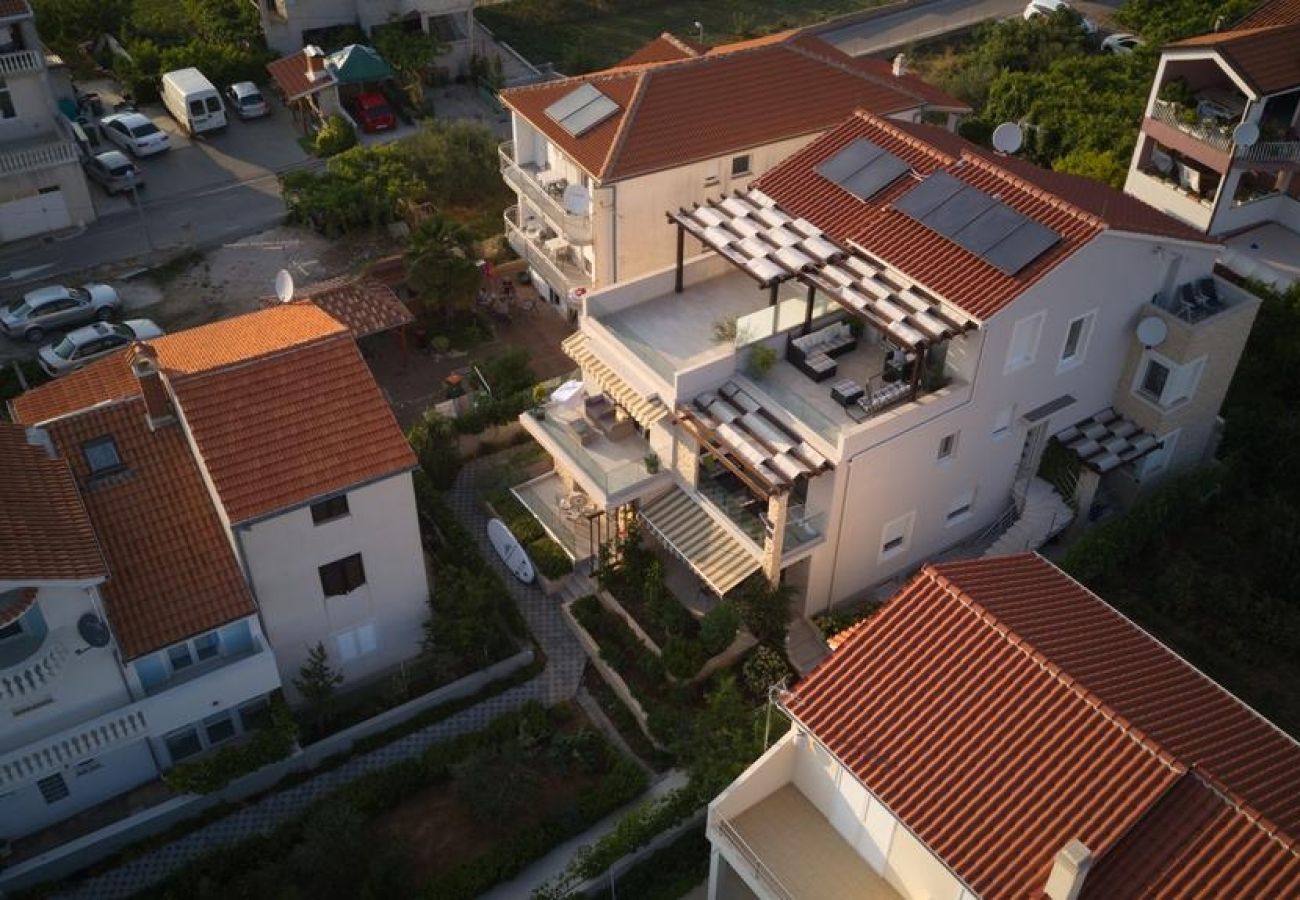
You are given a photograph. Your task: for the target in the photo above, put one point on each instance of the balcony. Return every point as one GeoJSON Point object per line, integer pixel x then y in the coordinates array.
{"type": "Point", "coordinates": [25, 684]}
{"type": "Point", "coordinates": [549, 501]}
{"type": "Point", "coordinates": [21, 62]}
{"type": "Point", "coordinates": [803, 530]}
{"type": "Point", "coordinates": [609, 465]}
{"type": "Point", "coordinates": [546, 252]}
{"type": "Point", "coordinates": [35, 156]}
{"type": "Point", "coordinates": [1195, 302]}
{"type": "Point", "coordinates": [546, 194]}
{"type": "Point", "coordinates": [1218, 137]}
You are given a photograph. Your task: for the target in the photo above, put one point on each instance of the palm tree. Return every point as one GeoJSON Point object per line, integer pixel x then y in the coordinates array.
{"type": "Point", "coordinates": [440, 265]}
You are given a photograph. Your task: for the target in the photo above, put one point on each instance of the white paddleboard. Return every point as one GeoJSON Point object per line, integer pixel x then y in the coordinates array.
{"type": "Point", "coordinates": [511, 553]}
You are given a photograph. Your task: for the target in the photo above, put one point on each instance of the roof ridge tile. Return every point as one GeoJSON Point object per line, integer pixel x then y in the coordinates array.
{"type": "Point", "coordinates": [624, 124]}
{"type": "Point", "coordinates": [1037, 191]}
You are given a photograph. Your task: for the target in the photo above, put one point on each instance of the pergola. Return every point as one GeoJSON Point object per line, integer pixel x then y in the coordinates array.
{"type": "Point", "coordinates": [773, 247]}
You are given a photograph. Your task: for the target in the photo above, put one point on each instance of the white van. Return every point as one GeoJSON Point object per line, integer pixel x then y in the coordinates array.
{"type": "Point", "coordinates": [193, 101]}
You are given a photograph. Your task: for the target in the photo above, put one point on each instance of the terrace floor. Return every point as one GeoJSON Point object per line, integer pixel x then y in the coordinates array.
{"type": "Point", "coordinates": [1269, 253]}
{"type": "Point", "coordinates": [811, 401]}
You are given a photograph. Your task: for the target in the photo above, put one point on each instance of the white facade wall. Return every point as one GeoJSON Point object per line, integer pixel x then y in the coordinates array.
{"type": "Point", "coordinates": [284, 21]}
{"type": "Point", "coordinates": [282, 556]}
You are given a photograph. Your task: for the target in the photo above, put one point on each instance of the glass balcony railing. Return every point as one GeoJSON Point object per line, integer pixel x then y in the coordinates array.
{"type": "Point", "coordinates": [573, 225]}
{"type": "Point", "coordinates": [614, 466]}
{"type": "Point", "coordinates": [802, 529]}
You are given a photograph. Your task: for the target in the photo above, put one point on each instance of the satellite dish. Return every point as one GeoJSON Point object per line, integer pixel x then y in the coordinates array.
{"type": "Point", "coordinates": [284, 285]}
{"type": "Point", "coordinates": [1152, 331]}
{"type": "Point", "coordinates": [1008, 138]}
{"type": "Point", "coordinates": [1245, 134]}
{"type": "Point", "coordinates": [577, 199]}
{"type": "Point", "coordinates": [93, 630]}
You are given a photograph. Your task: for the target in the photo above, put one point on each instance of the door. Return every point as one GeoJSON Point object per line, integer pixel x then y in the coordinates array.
{"type": "Point", "coordinates": [1030, 454]}
{"type": "Point", "coordinates": [44, 211]}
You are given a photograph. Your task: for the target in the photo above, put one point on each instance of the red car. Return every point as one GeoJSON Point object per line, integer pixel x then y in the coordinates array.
{"type": "Point", "coordinates": [373, 113]}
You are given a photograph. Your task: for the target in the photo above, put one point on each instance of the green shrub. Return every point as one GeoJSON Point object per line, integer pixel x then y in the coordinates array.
{"type": "Point", "coordinates": [763, 668]}
{"type": "Point", "coordinates": [436, 446]}
{"type": "Point", "coordinates": [668, 874]}
{"type": "Point", "coordinates": [270, 743]}
{"type": "Point", "coordinates": [549, 557]}
{"type": "Point", "coordinates": [682, 658]}
{"type": "Point", "coordinates": [718, 627]}
{"type": "Point", "coordinates": [335, 136]}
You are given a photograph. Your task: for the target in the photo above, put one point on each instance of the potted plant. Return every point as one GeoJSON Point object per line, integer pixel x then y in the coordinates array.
{"type": "Point", "coordinates": [761, 360]}
{"type": "Point", "coordinates": [652, 462]}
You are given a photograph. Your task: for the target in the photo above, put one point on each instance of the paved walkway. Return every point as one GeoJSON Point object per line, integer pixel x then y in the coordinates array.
{"type": "Point", "coordinates": [559, 682]}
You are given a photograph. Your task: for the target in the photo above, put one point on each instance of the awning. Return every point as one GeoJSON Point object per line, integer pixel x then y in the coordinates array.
{"type": "Point", "coordinates": [645, 410]}
{"type": "Point", "coordinates": [1106, 441]}
{"type": "Point", "coordinates": [771, 246]}
{"type": "Point", "coordinates": [711, 551]}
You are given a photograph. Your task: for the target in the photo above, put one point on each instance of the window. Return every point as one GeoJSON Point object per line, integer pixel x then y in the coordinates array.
{"type": "Point", "coordinates": [180, 657]}
{"type": "Point", "coordinates": [961, 507]}
{"type": "Point", "coordinates": [740, 165]}
{"type": "Point", "coordinates": [1166, 383]}
{"type": "Point", "coordinates": [207, 645]}
{"type": "Point", "coordinates": [102, 456]}
{"type": "Point", "coordinates": [1002, 423]}
{"type": "Point", "coordinates": [1024, 342]}
{"type": "Point", "coordinates": [1076, 342]}
{"type": "Point", "coordinates": [214, 105]}
{"type": "Point", "coordinates": [54, 788]}
{"type": "Point", "coordinates": [255, 715]}
{"type": "Point", "coordinates": [342, 576]}
{"type": "Point", "coordinates": [327, 510]}
{"type": "Point", "coordinates": [895, 535]}
{"type": "Point", "coordinates": [196, 107]}
{"type": "Point", "coordinates": [183, 744]}
{"type": "Point", "coordinates": [358, 642]}
{"type": "Point", "coordinates": [1158, 460]}
{"type": "Point", "coordinates": [947, 446]}
{"type": "Point", "coordinates": [219, 728]}
{"type": "Point", "coordinates": [6, 102]}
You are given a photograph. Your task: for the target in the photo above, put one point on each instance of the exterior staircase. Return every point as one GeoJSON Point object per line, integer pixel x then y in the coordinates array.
{"type": "Point", "coordinates": [1043, 515]}
{"type": "Point", "coordinates": [804, 645]}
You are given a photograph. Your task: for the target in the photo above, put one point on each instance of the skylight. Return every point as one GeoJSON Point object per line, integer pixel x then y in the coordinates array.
{"type": "Point", "coordinates": [863, 168]}
{"type": "Point", "coordinates": [972, 219]}
{"type": "Point", "coordinates": [581, 110]}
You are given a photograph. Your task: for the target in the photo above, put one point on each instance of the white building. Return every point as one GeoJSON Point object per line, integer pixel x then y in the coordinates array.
{"type": "Point", "coordinates": [1220, 142]}
{"type": "Point", "coordinates": [596, 160]}
{"type": "Point", "coordinates": [290, 25]}
{"type": "Point", "coordinates": [996, 730]}
{"type": "Point", "coordinates": [866, 369]}
{"type": "Point", "coordinates": [250, 494]}
{"type": "Point", "coordinates": [42, 187]}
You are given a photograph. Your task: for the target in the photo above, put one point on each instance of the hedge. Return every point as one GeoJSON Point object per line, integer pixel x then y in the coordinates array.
{"type": "Point", "coordinates": [269, 744]}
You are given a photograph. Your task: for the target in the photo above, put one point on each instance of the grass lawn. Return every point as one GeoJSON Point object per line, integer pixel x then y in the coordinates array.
{"type": "Point", "coordinates": [582, 35]}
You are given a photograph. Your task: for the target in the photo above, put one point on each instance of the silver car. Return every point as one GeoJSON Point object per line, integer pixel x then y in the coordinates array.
{"type": "Point", "coordinates": [85, 345]}
{"type": "Point", "coordinates": [112, 171]}
{"type": "Point", "coordinates": [45, 309]}
{"type": "Point", "coordinates": [136, 133]}
{"type": "Point", "coordinates": [247, 101]}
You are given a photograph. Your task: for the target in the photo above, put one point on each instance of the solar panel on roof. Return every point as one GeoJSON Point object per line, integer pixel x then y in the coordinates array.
{"type": "Point", "coordinates": [977, 222]}
{"type": "Point", "coordinates": [581, 109]}
{"type": "Point", "coordinates": [862, 168]}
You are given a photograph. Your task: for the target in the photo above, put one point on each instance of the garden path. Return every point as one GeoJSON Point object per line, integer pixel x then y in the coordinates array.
{"type": "Point", "coordinates": [557, 683]}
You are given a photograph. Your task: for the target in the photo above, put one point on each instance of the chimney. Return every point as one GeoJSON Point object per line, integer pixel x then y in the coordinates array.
{"type": "Point", "coordinates": [1069, 869]}
{"type": "Point", "coordinates": [315, 61]}
{"type": "Point", "coordinates": [900, 65]}
{"type": "Point", "coordinates": [144, 366]}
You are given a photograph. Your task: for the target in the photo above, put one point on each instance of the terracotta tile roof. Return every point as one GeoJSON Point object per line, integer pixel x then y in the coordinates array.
{"type": "Point", "coordinates": [365, 305]}
{"type": "Point", "coordinates": [734, 97]}
{"type": "Point", "coordinates": [1277, 12]}
{"type": "Point", "coordinates": [290, 75]}
{"type": "Point", "coordinates": [20, 601]}
{"type": "Point", "coordinates": [218, 344]}
{"type": "Point", "coordinates": [11, 8]}
{"type": "Point", "coordinates": [280, 403]}
{"type": "Point", "coordinates": [1263, 56]}
{"type": "Point", "coordinates": [45, 533]}
{"type": "Point", "coordinates": [292, 427]}
{"type": "Point", "coordinates": [999, 709]}
{"type": "Point", "coordinates": [665, 48]}
{"type": "Point", "coordinates": [172, 572]}
{"type": "Point", "coordinates": [940, 265]}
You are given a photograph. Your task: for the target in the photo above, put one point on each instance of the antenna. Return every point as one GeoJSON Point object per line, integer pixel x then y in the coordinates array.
{"type": "Point", "coordinates": [1008, 138]}
{"type": "Point", "coordinates": [284, 285]}
{"type": "Point", "coordinates": [1245, 134]}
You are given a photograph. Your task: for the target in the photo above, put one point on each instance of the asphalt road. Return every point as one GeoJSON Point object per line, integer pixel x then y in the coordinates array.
{"type": "Point", "coordinates": [201, 191]}
{"type": "Point", "coordinates": [930, 20]}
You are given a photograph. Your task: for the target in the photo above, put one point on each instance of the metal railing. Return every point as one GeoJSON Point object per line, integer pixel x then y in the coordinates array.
{"type": "Point", "coordinates": [34, 678]}
{"type": "Point", "coordinates": [20, 62]}
{"type": "Point", "coordinates": [611, 479]}
{"type": "Point", "coordinates": [574, 226]}
{"type": "Point", "coordinates": [1210, 135]}
{"type": "Point", "coordinates": [761, 870]}
{"type": "Point", "coordinates": [1270, 152]}
{"type": "Point", "coordinates": [42, 156]}
{"type": "Point", "coordinates": [91, 738]}
{"type": "Point", "coordinates": [561, 276]}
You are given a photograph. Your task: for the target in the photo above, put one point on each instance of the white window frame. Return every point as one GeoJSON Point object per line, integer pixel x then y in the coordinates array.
{"type": "Point", "coordinates": [1184, 379]}
{"type": "Point", "coordinates": [351, 643]}
{"type": "Point", "coordinates": [943, 458]}
{"type": "Point", "coordinates": [1086, 322]}
{"type": "Point", "coordinates": [1022, 361]}
{"type": "Point", "coordinates": [1169, 444]}
{"type": "Point", "coordinates": [894, 530]}
{"type": "Point", "coordinates": [1002, 429]}
{"type": "Point", "coordinates": [956, 513]}
{"type": "Point", "coordinates": [749, 165]}
{"type": "Point", "coordinates": [192, 650]}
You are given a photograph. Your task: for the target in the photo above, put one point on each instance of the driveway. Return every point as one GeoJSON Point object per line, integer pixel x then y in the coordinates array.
{"type": "Point", "coordinates": [926, 21]}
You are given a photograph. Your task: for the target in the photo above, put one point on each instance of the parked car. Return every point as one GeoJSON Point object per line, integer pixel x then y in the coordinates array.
{"type": "Point", "coordinates": [372, 112]}
{"type": "Point", "coordinates": [247, 101]}
{"type": "Point", "coordinates": [112, 171]}
{"type": "Point", "coordinates": [87, 344]}
{"type": "Point", "coordinates": [1036, 8]}
{"type": "Point", "coordinates": [1121, 42]}
{"type": "Point", "coordinates": [56, 306]}
{"type": "Point", "coordinates": [136, 133]}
